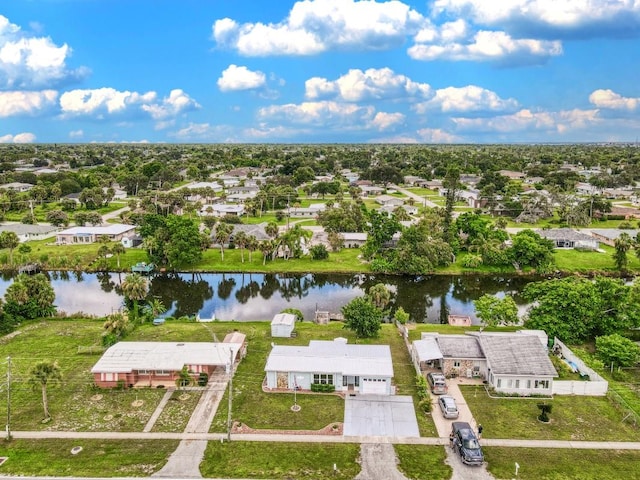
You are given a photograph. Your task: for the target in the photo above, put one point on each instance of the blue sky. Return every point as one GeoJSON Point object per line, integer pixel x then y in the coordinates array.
{"type": "Point", "coordinates": [437, 71]}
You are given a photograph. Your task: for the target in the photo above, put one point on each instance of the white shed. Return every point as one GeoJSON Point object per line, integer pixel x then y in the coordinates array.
{"type": "Point", "coordinates": [282, 325]}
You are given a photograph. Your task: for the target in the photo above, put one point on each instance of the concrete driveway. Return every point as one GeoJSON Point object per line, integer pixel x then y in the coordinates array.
{"type": "Point", "coordinates": [443, 425]}
{"type": "Point", "coordinates": [380, 416]}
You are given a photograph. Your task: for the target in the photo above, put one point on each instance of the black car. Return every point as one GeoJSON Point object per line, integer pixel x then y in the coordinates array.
{"type": "Point", "coordinates": [466, 443]}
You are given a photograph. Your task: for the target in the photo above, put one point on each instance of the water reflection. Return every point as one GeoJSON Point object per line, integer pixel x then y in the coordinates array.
{"type": "Point", "coordinates": [251, 296]}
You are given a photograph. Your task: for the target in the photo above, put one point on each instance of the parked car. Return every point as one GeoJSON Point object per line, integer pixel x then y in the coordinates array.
{"type": "Point", "coordinates": [448, 406]}
{"type": "Point", "coordinates": [466, 443]}
{"type": "Point", "coordinates": [437, 383]}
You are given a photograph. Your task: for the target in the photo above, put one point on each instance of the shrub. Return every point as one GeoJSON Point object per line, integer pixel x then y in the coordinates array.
{"type": "Point", "coordinates": [472, 261]}
{"type": "Point", "coordinates": [296, 312]}
{"type": "Point", "coordinates": [203, 379]}
{"type": "Point", "coordinates": [425, 405]}
{"type": "Point", "coordinates": [625, 226]}
{"type": "Point", "coordinates": [545, 410]}
{"type": "Point", "coordinates": [422, 387]}
{"type": "Point", "coordinates": [323, 387]}
{"type": "Point", "coordinates": [319, 252]}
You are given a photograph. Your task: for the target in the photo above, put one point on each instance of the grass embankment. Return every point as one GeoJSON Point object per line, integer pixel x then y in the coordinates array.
{"type": "Point", "coordinates": [574, 417]}
{"type": "Point", "coordinates": [98, 458]}
{"type": "Point", "coordinates": [563, 464]}
{"type": "Point", "coordinates": [280, 460]}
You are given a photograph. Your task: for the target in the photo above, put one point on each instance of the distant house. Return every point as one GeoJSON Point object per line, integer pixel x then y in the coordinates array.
{"type": "Point", "coordinates": [627, 212]}
{"type": "Point", "coordinates": [388, 200]}
{"type": "Point", "coordinates": [370, 190]}
{"type": "Point", "coordinates": [143, 364]}
{"type": "Point", "coordinates": [222, 209]}
{"type": "Point", "coordinates": [282, 325]}
{"type": "Point", "coordinates": [26, 233]}
{"type": "Point", "coordinates": [366, 369]}
{"type": "Point", "coordinates": [512, 363]}
{"type": "Point", "coordinates": [17, 186]}
{"type": "Point", "coordinates": [512, 175]}
{"type": "Point", "coordinates": [306, 212]}
{"type": "Point", "coordinates": [353, 239]}
{"type": "Point", "coordinates": [131, 242]}
{"type": "Point", "coordinates": [116, 232]}
{"type": "Point", "coordinates": [569, 238]}
{"type": "Point", "coordinates": [389, 209]}
{"type": "Point", "coordinates": [608, 236]}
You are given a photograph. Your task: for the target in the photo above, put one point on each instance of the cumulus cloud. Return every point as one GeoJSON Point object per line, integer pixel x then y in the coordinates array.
{"type": "Point", "coordinates": [28, 61]}
{"type": "Point", "coordinates": [552, 18]}
{"type": "Point", "coordinates": [466, 99]}
{"type": "Point", "coordinates": [489, 46]}
{"type": "Point", "coordinates": [316, 26]}
{"type": "Point", "coordinates": [236, 78]}
{"type": "Point", "coordinates": [372, 84]}
{"type": "Point", "coordinates": [108, 101]}
{"type": "Point", "coordinates": [526, 119]}
{"type": "Point", "coordinates": [612, 100]}
{"type": "Point", "coordinates": [25, 102]}
{"type": "Point", "coordinates": [76, 133]}
{"type": "Point", "coordinates": [437, 135]}
{"type": "Point", "coordinates": [25, 137]}
{"type": "Point", "coordinates": [385, 121]}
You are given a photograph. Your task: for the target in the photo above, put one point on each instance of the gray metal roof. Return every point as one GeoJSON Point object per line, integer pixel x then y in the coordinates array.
{"type": "Point", "coordinates": [613, 233]}
{"type": "Point", "coordinates": [125, 357]}
{"type": "Point", "coordinates": [459, 346]}
{"type": "Point", "coordinates": [427, 349]}
{"type": "Point", "coordinates": [21, 228]}
{"type": "Point", "coordinates": [322, 356]}
{"type": "Point", "coordinates": [284, 319]}
{"type": "Point", "coordinates": [516, 355]}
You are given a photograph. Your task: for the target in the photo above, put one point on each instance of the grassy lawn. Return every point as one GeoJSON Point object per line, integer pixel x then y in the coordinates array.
{"type": "Point", "coordinates": [75, 404]}
{"type": "Point", "coordinates": [423, 191]}
{"type": "Point", "coordinates": [280, 460]}
{"type": "Point", "coordinates": [563, 464]}
{"type": "Point", "coordinates": [573, 418]}
{"type": "Point", "coordinates": [98, 458]}
{"type": "Point", "coordinates": [422, 462]}
{"type": "Point", "coordinates": [577, 261]}
{"type": "Point", "coordinates": [176, 413]}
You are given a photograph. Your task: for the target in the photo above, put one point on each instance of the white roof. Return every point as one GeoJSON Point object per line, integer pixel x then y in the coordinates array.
{"type": "Point", "coordinates": [284, 319]}
{"type": "Point", "coordinates": [113, 229]}
{"type": "Point", "coordinates": [213, 185]}
{"type": "Point", "coordinates": [325, 356]}
{"type": "Point", "coordinates": [427, 349]}
{"type": "Point", "coordinates": [223, 207]}
{"type": "Point", "coordinates": [125, 357]}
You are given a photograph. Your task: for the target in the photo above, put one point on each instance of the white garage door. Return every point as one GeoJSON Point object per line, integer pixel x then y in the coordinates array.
{"type": "Point", "coordinates": [373, 386]}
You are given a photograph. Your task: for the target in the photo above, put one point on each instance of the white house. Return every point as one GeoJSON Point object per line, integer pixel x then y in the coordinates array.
{"type": "Point", "coordinates": [26, 233]}
{"type": "Point", "coordinates": [388, 200]}
{"type": "Point", "coordinates": [116, 232]}
{"type": "Point", "coordinates": [222, 209]}
{"type": "Point", "coordinates": [282, 325]}
{"type": "Point", "coordinates": [17, 186]}
{"type": "Point", "coordinates": [516, 363]}
{"type": "Point", "coordinates": [366, 369]}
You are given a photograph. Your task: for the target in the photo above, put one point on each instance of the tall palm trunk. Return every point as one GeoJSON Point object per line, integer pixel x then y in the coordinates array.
{"type": "Point", "coordinates": [45, 402]}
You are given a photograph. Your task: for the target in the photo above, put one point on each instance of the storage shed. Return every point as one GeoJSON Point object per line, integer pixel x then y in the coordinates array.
{"type": "Point", "coordinates": [282, 325]}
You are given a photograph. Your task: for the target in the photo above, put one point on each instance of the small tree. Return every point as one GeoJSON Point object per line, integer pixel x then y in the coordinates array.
{"type": "Point", "coordinates": [184, 378]}
{"type": "Point", "coordinates": [545, 410]}
{"type": "Point", "coordinates": [135, 288]}
{"type": "Point", "coordinates": [379, 295]}
{"type": "Point", "coordinates": [363, 317]}
{"type": "Point", "coordinates": [494, 311]}
{"type": "Point", "coordinates": [10, 241]}
{"type": "Point", "coordinates": [42, 375]}
{"type": "Point", "coordinates": [118, 249]}
{"type": "Point", "coordinates": [401, 316]}
{"type": "Point", "coordinates": [617, 350]}
{"type": "Point", "coordinates": [319, 252]}
{"type": "Point", "coordinates": [296, 312]}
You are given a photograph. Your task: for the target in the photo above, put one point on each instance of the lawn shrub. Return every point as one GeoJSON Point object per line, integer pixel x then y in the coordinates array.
{"type": "Point", "coordinates": [323, 388]}
{"type": "Point", "coordinates": [422, 387]}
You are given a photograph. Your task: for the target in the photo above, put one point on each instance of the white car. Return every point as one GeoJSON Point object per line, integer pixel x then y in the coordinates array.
{"type": "Point", "coordinates": [448, 406]}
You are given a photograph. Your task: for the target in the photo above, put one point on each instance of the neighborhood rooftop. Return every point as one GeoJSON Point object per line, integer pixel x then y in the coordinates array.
{"type": "Point", "coordinates": [516, 355]}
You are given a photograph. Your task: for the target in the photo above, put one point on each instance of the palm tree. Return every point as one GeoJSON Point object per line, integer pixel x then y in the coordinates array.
{"type": "Point", "coordinates": [272, 229]}
{"type": "Point", "coordinates": [266, 247]}
{"type": "Point", "coordinates": [379, 295]}
{"type": "Point", "coordinates": [622, 245]}
{"type": "Point", "coordinates": [223, 232]}
{"type": "Point", "coordinates": [135, 288]}
{"type": "Point", "coordinates": [241, 240]}
{"type": "Point", "coordinates": [9, 240]}
{"type": "Point", "coordinates": [118, 249]}
{"type": "Point", "coordinates": [44, 374]}
{"type": "Point", "coordinates": [252, 245]}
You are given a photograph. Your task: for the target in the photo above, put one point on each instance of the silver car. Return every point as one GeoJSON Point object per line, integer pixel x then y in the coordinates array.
{"type": "Point", "coordinates": [448, 406]}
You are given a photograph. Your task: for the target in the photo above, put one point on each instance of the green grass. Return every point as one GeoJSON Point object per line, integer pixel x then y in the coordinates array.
{"type": "Point", "coordinates": [177, 412]}
{"type": "Point", "coordinates": [563, 464]}
{"type": "Point", "coordinates": [280, 460]}
{"type": "Point", "coordinates": [423, 191]}
{"type": "Point", "coordinates": [422, 462]}
{"type": "Point", "coordinates": [577, 261]}
{"type": "Point", "coordinates": [573, 417]}
{"type": "Point", "coordinates": [98, 458]}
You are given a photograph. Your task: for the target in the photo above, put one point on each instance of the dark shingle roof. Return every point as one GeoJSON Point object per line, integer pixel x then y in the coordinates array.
{"type": "Point", "coordinates": [459, 346]}
{"type": "Point", "coordinates": [564, 234]}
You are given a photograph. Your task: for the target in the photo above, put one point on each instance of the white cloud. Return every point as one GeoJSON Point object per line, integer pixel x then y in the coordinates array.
{"type": "Point", "coordinates": [31, 62]}
{"type": "Point", "coordinates": [525, 120]}
{"type": "Point", "coordinates": [437, 135]}
{"type": "Point", "coordinates": [466, 99]}
{"type": "Point", "coordinates": [240, 78]}
{"type": "Point", "coordinates": [490, 46]}
{"type": "Point", "coordinates": [319, 113]}
{"type": "Point", "coordinates": [558, 17]}
{"type": "Point", "coordinates": [612, 100]}
{"type": "Point", "coordinates": [315, 26]}
{"type": "Point", "coordinates": [108, 101]}
{"type": "Point", "coordinates": [385, 121]}
{"type": "Point", "coordinates": [176, 103]}
{"type": "Point", "coordinates": [76, 133]}
{"type": "Point", "coordinates": [372, 84]}
{"type": "Point", "coordinates": [25, 102]}
{"type": "Point", "coordinates": [19, 138]}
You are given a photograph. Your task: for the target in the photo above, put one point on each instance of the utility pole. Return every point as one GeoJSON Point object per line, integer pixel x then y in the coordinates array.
{"type": "Point", "coordinates": [8, 398]}
{"type": "Point", "coordinates": [230, 394]}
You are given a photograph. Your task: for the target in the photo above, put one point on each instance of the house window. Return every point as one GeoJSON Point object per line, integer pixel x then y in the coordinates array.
{"type": "Point", "coordinates": [456, 364]}
{"type": "Point", "coordinates": [499, 383]}
{"type": "Point", "coordinates": [528, 383]}
{"type": "Point", "coordinates": [542, 384]}
{"type": "Point", "coordinates": [163, 373]}
{"type": "Point", "coordinates": [509, 383]}
{"type": "Point", "coordinates": [323, 378]}
{"type": "Point", "coordinates": [517, 383]}
{"type": "Point", "coordinates": [143, 372]}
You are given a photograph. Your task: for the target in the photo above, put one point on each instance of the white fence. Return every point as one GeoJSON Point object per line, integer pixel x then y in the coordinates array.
{"type": "Point", "coordinates": [596, 385]}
